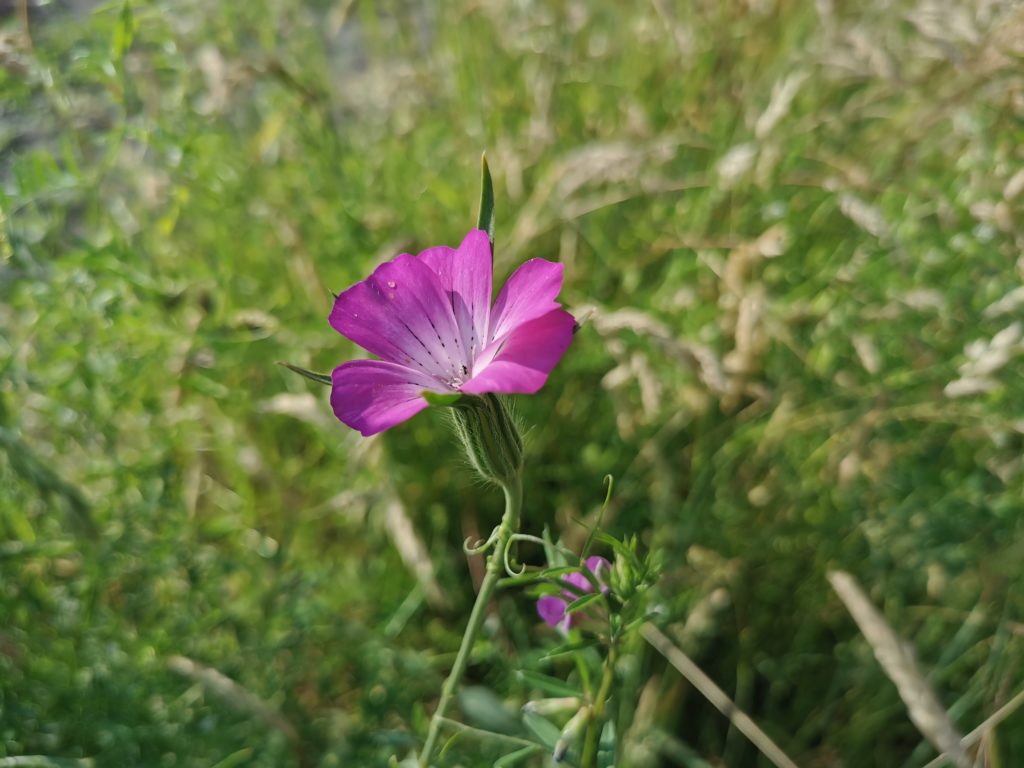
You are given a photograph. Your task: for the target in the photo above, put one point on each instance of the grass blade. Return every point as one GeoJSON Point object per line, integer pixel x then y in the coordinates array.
{"type": "Point", "coordinates": [320, 378]}
{"type": "Point", "coordinates": [485, 220]}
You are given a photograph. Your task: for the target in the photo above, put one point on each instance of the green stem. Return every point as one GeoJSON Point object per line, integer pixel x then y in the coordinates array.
{"type": "Point", "coordinates": [495, 564]}
{"type": "Point", "coordinates": [590, 742]}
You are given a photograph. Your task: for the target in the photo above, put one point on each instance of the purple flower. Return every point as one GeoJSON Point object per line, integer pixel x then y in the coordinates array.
{"type": "Point", "coordinates": [552, 607]}
{"type": "Point", "coordinates": [430, 321]}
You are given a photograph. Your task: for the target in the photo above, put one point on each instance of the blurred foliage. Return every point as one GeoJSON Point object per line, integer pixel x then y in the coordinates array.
{"type": "Point", "coordinates": [792, 230]}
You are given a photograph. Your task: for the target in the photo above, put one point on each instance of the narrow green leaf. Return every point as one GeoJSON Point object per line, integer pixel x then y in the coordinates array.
{"type": "Point", "coordinates": [487, 711]}
{"type": "Point", "coordinates": [551, 686]}
{"type": "Point", "coordinates": [320, 378]}
{"type": "Point", "coordinates": [6, 249]}
{"type": "Point", "coordinates": [551, 553]}
{"type": "Point", "coordinates": [608, 736]}
{"type": "Point", "coordinates": [485, 220]}
{"type": "Point", "coordinates": [569, 651]}
{"type": "Point", "coordinates": [609, 485]}
{"type": "Point", "coordinates": [582, 602]}
{"type": "Point", "coordinates": [435, 398]}
{"type": "Point", "coordinates": [562, 570]}
{"type": "Point", "coordinates": [518, 756]}
{"type": "Point", "coordinates": [124, 32]}
{"type": "Point", "coordinates": [527, 579]}
{"type": "Point", "coordinates": [236, 758]}
{"type": "Point", "coordinates": [621, 550]}
{"type": "Point", "coordinates": [546, 732]}
{"type": "Point", "coordinates": [44, 761]}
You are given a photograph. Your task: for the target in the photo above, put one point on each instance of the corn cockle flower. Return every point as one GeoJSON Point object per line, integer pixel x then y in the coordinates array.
{"type": "Point", "coordinates": [430, 321]}
{"type": "Point", "coordinates": [552, 607]}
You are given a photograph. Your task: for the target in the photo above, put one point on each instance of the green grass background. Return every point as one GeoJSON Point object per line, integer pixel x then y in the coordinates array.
{"type": "Point", "coordinates": [793, 231]}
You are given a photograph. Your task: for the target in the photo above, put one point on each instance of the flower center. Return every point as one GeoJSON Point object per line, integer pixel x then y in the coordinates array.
{"type": "Point", "coordinates": [458, 379]}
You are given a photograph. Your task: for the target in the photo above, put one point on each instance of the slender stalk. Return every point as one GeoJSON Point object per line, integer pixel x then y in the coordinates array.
{"type": "Point", "coordinates": [509, 523]}
{"type": "Point", "coordinates": [699, 680]}
{"type": "Point", "coordinates": [592, 738]}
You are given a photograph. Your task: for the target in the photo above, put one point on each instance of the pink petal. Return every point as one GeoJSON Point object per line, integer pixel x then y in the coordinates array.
{"type": "Point", "coordinates": [402, 314]}
{"type": "Point", "coordinates": [374, 395]}
{"type": "Point", "coordinates": [465, 276]}
{"type": "Point", "coordinates": [596, 564]}
{"type": "Point", "coordinates": [579, 582]}
{"type": "Point", "coordinates": [552, 610]}
{"type": "Point", "coordinates": [600, 567]}
{"type": "Point", "coordinates": [521, 362]}
{"type": "Point", "coordinates": [528, 294]}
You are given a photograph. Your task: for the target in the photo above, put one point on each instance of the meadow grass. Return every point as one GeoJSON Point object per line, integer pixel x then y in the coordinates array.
{"type": "Point", "coordinates": [792, 232]}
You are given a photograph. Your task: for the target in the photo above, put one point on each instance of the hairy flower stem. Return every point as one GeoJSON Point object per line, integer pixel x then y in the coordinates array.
{"type": "Point", "coordinates": [593, 735]}
{"type": "Point", "coordinates": [495, 564]}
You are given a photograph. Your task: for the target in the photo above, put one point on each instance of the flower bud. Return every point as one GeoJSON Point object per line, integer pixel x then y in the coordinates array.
{"type": "Point", "coordinates": [490, 438]}
{"type": "Point", "coordinates": [571, 732]}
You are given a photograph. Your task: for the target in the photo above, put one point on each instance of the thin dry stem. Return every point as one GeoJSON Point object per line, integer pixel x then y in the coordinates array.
{"type": "Point", "coordinates": [231, 693]}
{"type": "Point", "coordinates": [897, 659]}
{"type": "Point", "coordinates": [983, 730]}
{"type": "Point", "coordinates": [721, 701]}
{"type": "Point", "coordinates": [412, 551]}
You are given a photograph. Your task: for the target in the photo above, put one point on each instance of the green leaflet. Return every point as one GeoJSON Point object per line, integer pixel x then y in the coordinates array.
{"type": "Point", "coordinates": [321, 378]}
{"type": "Point", "coordinates": [435, 398]}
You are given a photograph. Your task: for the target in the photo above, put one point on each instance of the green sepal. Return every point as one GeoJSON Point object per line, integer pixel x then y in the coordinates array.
{"type": "Point", "coordinates": [485, 220]}
{"type": "Point", "coordinates": [441, 400]}
{"type": "Point", "coordinates": [320, 378]}
{"type": "Point", "coordinates": [489, 437]}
